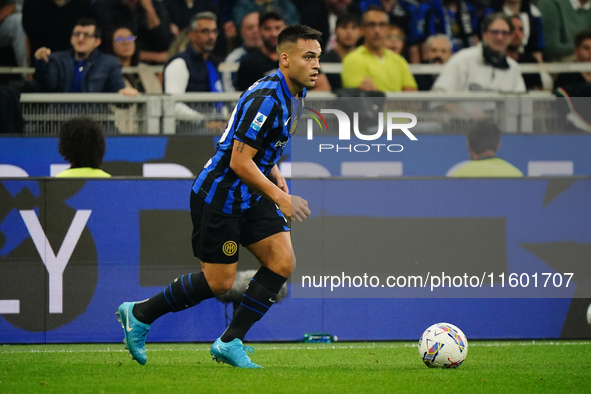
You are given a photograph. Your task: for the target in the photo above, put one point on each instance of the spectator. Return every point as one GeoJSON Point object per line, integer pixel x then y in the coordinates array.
{"type": "Point", "coordinates": [395, 39]}
{"type": "Point", "coordinates": [404, 14]}
{"type": "Point", "coordinates": [82, 144]}
{"type": "Point", "coordinates": [12, 33]}
{"type": "Point", "coordinates": [182, 11]}
{"type": "Point", "coordinates": [582, 54]}
{"type": "Point", "coordinates": [532, 81]}
{"type": "Point", "coordinates": [148, 18]}
{"type": "Point", "coordinates": [49, 23]}
{"type": "Point", "coordinates": [531, 20]}
{"type": "Point", "coordinates": [563, 19]}
{"type": "Point", "coordinates": [484, 140]}
{"type": "Point", "coordinates": [195, 69]}
{"type": "Point", "coordinates": [285, 7]}
{"type": "Point", "coordinates": [457, 19]}
{"type": "Point", "coordinates": [83, 69]}
{"type": "Point", "coordinates": [124, 49]}
{"type": "Point", "coordinates": [251, 40]}
{"type": "Point", "coordinates": [371, 66]}
{"type": "Point", "coordinates": [437, 50]}
{"type": "Point", "coordinates": [484, 67]}
{"type": "Point", "coordinates": [347, 34]}
{"type": "Point", "coordinates": [322, 16]}
{"type": "Point", "coordinates": [259, 63]}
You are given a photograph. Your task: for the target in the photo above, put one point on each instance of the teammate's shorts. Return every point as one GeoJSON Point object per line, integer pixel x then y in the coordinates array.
{"type": "Point", "coordinates": [216, 235]}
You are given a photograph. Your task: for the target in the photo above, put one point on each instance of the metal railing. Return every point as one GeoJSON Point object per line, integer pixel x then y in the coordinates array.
{"type": "Point", "coordinates": [208, 113]}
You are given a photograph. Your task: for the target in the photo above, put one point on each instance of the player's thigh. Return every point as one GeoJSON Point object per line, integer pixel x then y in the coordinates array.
{"type": "Point", "coordinates": [275, 252]}
{"type": "Point", "coordinates": [215, 234]}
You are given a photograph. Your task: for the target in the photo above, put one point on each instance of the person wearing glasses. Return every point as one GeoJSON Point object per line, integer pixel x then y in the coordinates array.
{"type": "Point", "coordinates": [195, 69]}
{"type": "Point", "coordinates": [373, 67]}
{"type": "Point", "coordinates": [83, 69]}
{"type": "Point", "coordinates": [486, 66]}
{"type": "Point", "coordinates": [124, 48]}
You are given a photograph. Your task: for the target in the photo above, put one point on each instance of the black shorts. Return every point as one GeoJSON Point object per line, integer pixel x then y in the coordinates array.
{"type": "Point", "coordinates": [216, 234]}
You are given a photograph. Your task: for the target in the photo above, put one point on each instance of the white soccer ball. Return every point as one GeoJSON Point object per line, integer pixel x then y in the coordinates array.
{"type": "Point", "coordinates": [589, 315]}
{"type": "Point", "coordinates": [443, 345]}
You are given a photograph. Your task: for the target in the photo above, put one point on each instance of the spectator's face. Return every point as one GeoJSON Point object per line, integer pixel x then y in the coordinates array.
{"type": "Point", "coordinates": [498, 35]}
{"type": "Point", "coordinates": [204, 36]}
{"type": "Point", "coordinates": [123, 43]}
{"type": "Point", "coordinates": [395, 40]}
{"type": "Point", "coordinates": [83, 40]}
{"type": "Point", "coordinates": [375, 24]}
{"type": "Point", "coordinates": [517, 36]}
{"type": "Point", "coordinates": [348, 35]}
{"type": "Point", "coordinates": [301, 63]}
{"type": "Point", "coordinates": [270, 31]}
{"type": "Point", "coordinates": [249, 30]}
{"type": "Point", "coordinates": [583, 51]}
{"type": "Point", "coordinates": [438, 51]}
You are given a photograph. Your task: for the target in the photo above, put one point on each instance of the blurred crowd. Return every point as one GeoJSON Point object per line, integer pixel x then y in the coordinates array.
{"type": "Point", "coordinates": [81, 45]}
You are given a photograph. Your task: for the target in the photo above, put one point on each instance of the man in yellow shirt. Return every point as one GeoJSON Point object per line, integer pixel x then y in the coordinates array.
{"type": "Point", "coordinates": [82, 144]}
{"type": "Point", "coordinates": [371, 66]}
{"type": "Point", "coordinates": [483, 142]}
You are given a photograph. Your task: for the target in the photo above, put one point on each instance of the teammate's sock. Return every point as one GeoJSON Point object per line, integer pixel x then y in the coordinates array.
{"type": "Point", "coordinates": [184, 292]}
{"type": "Point", "coordinates": [259, 296]}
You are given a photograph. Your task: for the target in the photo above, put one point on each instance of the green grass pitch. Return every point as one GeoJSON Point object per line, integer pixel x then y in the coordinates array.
{"type": "Point", "coordinates": [363, 367]}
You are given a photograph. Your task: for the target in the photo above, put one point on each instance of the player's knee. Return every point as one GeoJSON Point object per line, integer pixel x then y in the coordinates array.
{"type": "Point", "coordinates": [220, 285]}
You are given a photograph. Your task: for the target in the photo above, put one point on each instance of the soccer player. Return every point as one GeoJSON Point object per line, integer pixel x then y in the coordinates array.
{"type": "Point", "coordinates": [241, 196]}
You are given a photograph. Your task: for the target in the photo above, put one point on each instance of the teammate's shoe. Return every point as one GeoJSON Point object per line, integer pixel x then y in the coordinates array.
{"type": "Point", "coordinates": [233, 353]}
{"type": "Point", "coordinates": [135, 332]}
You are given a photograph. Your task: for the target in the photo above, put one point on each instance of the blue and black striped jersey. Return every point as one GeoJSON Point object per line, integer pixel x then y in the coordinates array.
{"type": "Point", "coordinates": [264, 118]}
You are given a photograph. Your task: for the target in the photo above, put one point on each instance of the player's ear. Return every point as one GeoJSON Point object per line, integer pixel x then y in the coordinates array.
{"type": "Point", "coordinates": [284, 59]}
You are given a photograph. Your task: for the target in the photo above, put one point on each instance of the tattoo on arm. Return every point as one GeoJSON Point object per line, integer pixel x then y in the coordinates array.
{"type": "Point", "coordinates": [239, 146]}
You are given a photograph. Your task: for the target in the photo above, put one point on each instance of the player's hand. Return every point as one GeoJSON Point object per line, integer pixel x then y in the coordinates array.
{"type": "Point", "coordinates": [43, 54]}
{"type": "Point", "coordinates": [299, 209]}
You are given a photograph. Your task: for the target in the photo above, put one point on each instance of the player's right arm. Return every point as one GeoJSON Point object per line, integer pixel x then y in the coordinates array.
{"type": "Point", "coordinates": [242, 163]}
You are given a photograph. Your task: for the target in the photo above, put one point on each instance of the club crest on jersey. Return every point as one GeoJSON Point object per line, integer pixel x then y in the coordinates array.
{"type": "Point", "coordinates": [258, 121]}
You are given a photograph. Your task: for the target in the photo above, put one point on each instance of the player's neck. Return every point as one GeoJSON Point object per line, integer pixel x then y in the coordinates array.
{"type": "Point", "coordinates": [294, 87]}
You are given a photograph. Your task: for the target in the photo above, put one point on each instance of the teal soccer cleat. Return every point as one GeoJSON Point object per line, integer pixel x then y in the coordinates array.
{"type": "Point", "coordinates": [135, 332]}
{"type": "Point", "coordinates": [233, 353]}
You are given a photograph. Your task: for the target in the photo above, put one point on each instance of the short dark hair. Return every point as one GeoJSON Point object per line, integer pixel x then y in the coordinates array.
{"type": "Point", "coordinates": [376, 8]}
{"type": "Point", "coordinates": [493, 17]}
{"type": "Point", "coordinates": [270, 15]}
{"type": "Point", "coordinates": [484, 136]}
{"type": "Point", "coordinates": [82, 143]}
{"type": "Point", "coordinates": [346, 18]}
{"type": "Point", "coordinates": [291, 34]}
{"type": "Point", "coordinates": [90, 22]}
{"type": "Point", "coordinates": [582, 36]}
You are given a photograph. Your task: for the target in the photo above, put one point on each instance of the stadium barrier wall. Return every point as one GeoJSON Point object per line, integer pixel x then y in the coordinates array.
{"type": "Point", "coordinates": [184, 156]}
{"type": "Point", "coordinates": [72, 250]}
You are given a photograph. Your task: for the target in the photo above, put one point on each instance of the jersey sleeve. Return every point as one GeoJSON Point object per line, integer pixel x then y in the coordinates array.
{"type": "Point", "coordinates": [257, 118]}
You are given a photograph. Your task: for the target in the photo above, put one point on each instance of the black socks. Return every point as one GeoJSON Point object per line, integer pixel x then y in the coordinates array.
{"type": "Point", "coordinates": [184, 292]}
{"type": "Point", "coordinates": [260, 295]}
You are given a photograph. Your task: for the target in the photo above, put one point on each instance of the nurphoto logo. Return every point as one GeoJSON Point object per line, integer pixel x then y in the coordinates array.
{"type": "Point", "coordinates": [348, 130]}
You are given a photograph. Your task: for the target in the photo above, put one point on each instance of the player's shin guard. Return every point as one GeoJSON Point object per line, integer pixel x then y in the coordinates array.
{"type": "Point", "coordinates": [185, 292]}
{"type": "Point", "coordinates": [260, 295]}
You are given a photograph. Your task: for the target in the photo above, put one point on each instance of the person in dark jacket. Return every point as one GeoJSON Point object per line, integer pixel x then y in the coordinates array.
{"type": "Point", "coordinates": [83, 69]}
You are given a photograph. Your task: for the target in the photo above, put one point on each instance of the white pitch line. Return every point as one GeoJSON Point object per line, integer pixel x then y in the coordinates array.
{"type": "Point", "coordinates": [200, 347]}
